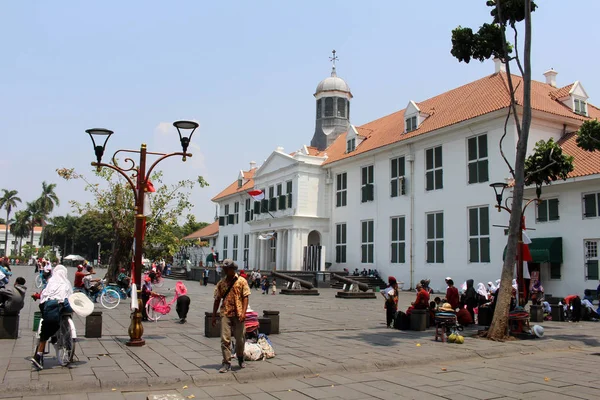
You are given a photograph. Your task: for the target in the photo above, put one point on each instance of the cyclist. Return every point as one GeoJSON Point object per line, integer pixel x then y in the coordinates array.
{"type": "Point", "coordinates": [53, 302]}
{"type": "Point", "coordinates": [123, 280]}
{"type": "Point", "coordinates": [91, 284]}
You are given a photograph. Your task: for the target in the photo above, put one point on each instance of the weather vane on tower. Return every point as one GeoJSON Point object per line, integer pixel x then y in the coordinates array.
{"type": "Point", "coordinates": [333, 57]}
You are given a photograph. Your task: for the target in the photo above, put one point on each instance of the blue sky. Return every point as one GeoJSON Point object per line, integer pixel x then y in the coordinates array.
{"type": "Point", "coordinates": [246, 71]}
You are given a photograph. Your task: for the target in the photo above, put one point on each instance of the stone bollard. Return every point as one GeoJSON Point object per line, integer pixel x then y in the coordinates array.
{"type": "Point", "coordinates": [418, 320]}
{"type": "Point", "coordinates": [93, 325]}
{"type": "Point", "coordinates": [9, 325]}
{"type": "Point", "coordinates": [558, 312]}
{"type": "Point", "coordinates": [536, 313]}
{"type": "Point", "coordinates": [264, 325]}
{"type": "Point", "coordinates": [274, 317]}
{"type": "Point", "coordinates": [209, 330]}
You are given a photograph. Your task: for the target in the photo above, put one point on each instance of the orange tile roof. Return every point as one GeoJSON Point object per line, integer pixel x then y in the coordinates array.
{"type": "Point", "coordinates": [562, 92]}
{"type": "Point", "coordinates": [207, 231]}
{"type": "Point", "coordinates": [36, 229]}
{"type": "Point", "coordinates": [472, 100]}
{"type": "Point", "coordinates": [586, 162]}
{"type": "Point", "coordinates": [233, 188]}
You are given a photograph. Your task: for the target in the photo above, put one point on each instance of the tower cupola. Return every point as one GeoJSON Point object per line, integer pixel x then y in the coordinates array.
{"type": "Point", "coordinates": [333, 108]}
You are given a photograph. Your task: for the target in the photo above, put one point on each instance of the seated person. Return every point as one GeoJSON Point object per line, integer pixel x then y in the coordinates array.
{"type": "Point", "coordinates": [463, 317]}
{"type": "Point", "coordinates": [13, 300]}
{"type": "Point", "coordinates": [587, 295]}
{"type": "Point", "coordinates": [123, 280]}
{"type": "Point", "coordinates": [79, 275]}
{"type": "Point", "coordinates": [587, 311]}
{"type": "Point", "coordinates": [421, 302]}
{"type": "Point", "coordinates": [91, 284]}
{"type": "Point", "coordinates": [572, 304]}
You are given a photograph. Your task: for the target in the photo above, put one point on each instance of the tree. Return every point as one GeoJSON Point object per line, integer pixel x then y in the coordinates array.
{"type": "Point", "coordinates": [190, 226]}
{"type": "Point", "coordinates": [34, 216]}
{"type": "Point", "coordinates": [490, 41]}
{"type": "Point", "coordinates": [116, 202]}
{"type": "Point", "coordinates": [47, 200]}
{"type": "Point", "coordinates": [8, 201]}
{"type": "Point", "coordinates": [588, 135]}
{"type": "Point", "coordinates": [20, 228]}
{"type": "Point", "coordinates": [547, 163]}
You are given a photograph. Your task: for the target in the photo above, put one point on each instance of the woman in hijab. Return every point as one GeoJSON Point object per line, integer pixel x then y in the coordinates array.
{"type": "Point", "coordinates": [536, 292]}
{"type": "Point", "coordinates": [470, 298]}
{"type": "Point", "coordinates": [53, 302]}
{"type": "Point", "coordinates": [183, 301]}
{"type": "Point", "coordinates": [483, 294]}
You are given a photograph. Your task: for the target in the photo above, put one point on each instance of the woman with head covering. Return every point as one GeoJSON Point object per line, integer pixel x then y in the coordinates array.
{"type": "Point", "coordinates": [183, 301]}
{"type": "Point", "coordinates": [146, 294]}
{"type": "Point", "coordinates": [536, 292]}
{"type": "Point", "coordinates": [390, 294]}
{"type": "Point", "coordinates": [53, 302]}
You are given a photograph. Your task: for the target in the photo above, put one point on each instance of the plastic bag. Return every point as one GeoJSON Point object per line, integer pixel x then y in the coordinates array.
{"type": "Point", "coordinates": [266, 347]}
{"type": "Point", "coordinates": [252, 352]}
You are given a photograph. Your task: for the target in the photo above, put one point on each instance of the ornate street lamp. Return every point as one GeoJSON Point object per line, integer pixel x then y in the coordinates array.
{"type": "Point", "coordinates": [499, 188]}
{"type": "Point", "coordinates": [137, 177]}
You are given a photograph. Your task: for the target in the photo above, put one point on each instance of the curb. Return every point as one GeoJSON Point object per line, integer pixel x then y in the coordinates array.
{"type": "Point", "coordinates": [13, 389]}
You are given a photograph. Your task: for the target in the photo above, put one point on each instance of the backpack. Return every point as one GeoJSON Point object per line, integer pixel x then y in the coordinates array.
{"type": "Point", "coordinates": [402, 321]}
{"type": "Point", "coordinates": [266, 347]}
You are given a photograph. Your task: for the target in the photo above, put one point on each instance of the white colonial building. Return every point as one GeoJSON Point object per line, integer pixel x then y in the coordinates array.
{"type": "Point", "coordinates": [408, 194]}
{"type": "Point", "coordinates": [14, 242]}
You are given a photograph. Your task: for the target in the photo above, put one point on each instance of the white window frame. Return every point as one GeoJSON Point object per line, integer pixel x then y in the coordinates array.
{"type": "Point", "coordinates": [234, 252]}
{"type": "Point", "coordinates": [350, 145]}
{"type": "Point", "coordinates": [411, 123]}
{"type": "Point", "coordinates": [341, 240]}
{"type": "Point", "coordinates": [236, 212]}
{"type": "Point", "coordinates": [436, 238]}
{"type": "Point", "coordinates": [369, 244]}
{"type": "Point", "coordinates": [367, 182]}
{"type": "Point", "coordinates": [547, 201]}
{"type": "Point", "coordinates": [399, 178]}
{"type": "Point", "coordinates": [225, 245]}
{"type": "Point", "coordinates": [400, 240]}
{"type": "Point", "coordinates": [341, 190]}
{"type": "Point", "coordinates": [480, 237]}
{"type": "Point", "coordinates": [577, 106]}
{"type": "Point", "coordinates": [597, 210]}
{"type": "Point", "coordinates": [478, 159]}
{"type": "Point", "coordinates": [273, 249]}
{"type": "Point", "coordinates": [595, 256]}
{"type": "Point", "coordinates": [434, 169]}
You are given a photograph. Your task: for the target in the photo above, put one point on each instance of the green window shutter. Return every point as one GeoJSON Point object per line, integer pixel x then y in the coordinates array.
{"type": "Point", "coordinates": [394, 188]}
{"type": "Point", "coordinates": [438, 157]}
{"type": "Point", "coordinates": [553, 210]}
{"type": "Point", "coordinates": [371, 231]}
{"type": "Point", "coordinates": [482, 146]}
{"type": "Point", "coordinates": [430, 226]}
{"type": "Point", "coordinates": [344, 233]}
{"type": "Point", "coordinates": [257, 207]}
{"type": "Point", "coordinates": [338, 199]}
{"type": "Point", "coordinates": [592, 270]}
{"type": "Point", "coordinates": [231, 219]}
{"type": "Point", "coordinates": [439, 251]}
{"type": "Point", "coordinates": [472, 149]}
{"type": "Point", "coordinates": [273, 204]}
{"type": "Point", "coordinates": [338, 254]}
{"type": "Point", "coordinates": [403, 186]}
{"type": "Point", "coordinates": [589, 206]}
{"type": "Point", "coordinates": [363, 255]}
{"type": "Point", "coordinates": [364, 234]}
{"type": "Point", "coordinates": [264, 205]}
{"type": "Point", "coordinates": [401, 166]}
{"type": "Point", "coordinates": [484, 221]}
{"type": "Point", "coordinates": [439, 225]}
{"type": "Point", "coordinates": [364, 176]}
{"type": "Point", "coordinates": [394, 253]}
{"type": "Point", "coordinates": [439, 178]}
{"type": "Point", "coordinates": [543, 211]}
{"type": "Point", "coordinates": [394, 229]}
{"type": "Point", "coordinates": [221, 221]}
{"type": "Point", "coordinates": [485, 249]}
{"type": "Point", "coordinates": [344, 198]}
{"type": "Point", "coordinates": [430, 251]}
{"type": "Point", "coordinates": [429, 180]}
{"type": "Point", "coordinates": [344, 254]}
{"type": "Point", "coordinates": [394, 167]}
{"type": "Point", "coordinates": [282, 202]}
{"type": "Point", "coordinates": [482, 171]}
{"type": "Point", "coordinates": [473, 250]}
{"type": "Point", "coordinates": [402, 253]}
{"type": "Point", "coordinates": [473, 173]}
{"type": "Point", "coordinates": [246, 215]}
{"type": "Point", "coordinates": [289, 200]}
{"type": "Point", "coordinates": [369, 192]}
{"type": "Point", "coordinates": [473, 221]}
{"type": "Point", "coordinates": [429, 159]}
{"type": "Point", "coordinates": [402, 228]}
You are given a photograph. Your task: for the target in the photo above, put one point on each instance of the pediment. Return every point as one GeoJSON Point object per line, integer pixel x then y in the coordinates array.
{"type": "Point", "coordinates": [411, 109]}
{"type": "Point", "coordinates": [276, 161]}
{"type": "Point", "coordinates": [578, 91]}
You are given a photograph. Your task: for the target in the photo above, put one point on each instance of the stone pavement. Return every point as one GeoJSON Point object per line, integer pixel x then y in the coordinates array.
{"type": "Point", "coordinates": [318, 335]}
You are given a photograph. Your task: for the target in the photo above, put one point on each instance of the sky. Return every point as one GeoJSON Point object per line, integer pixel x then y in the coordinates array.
{"type": "Point", "coordinates": [245, 71]}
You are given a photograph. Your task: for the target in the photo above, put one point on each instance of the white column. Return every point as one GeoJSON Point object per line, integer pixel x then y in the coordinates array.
{"type": "Point", "coordinates": [251, 251]}
{"type": "Point", "coordinates": [284, 252]}
{"type": "Point", "coordinates": [295, 251]}
{"type": "Point", "coordinates": [280, 248]}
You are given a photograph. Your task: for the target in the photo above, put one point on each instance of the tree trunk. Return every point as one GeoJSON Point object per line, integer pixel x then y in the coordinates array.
{"type": "Point", "coordinates": [65, 246]}
{"type": "Point", "coordinates": [6, 233]}
{"type": "Point", "coordinates": [498, 328]}
{"type": "Point", "coordinates": [32, 230]}
{"type": "Point", "coordinates": [21, 247]}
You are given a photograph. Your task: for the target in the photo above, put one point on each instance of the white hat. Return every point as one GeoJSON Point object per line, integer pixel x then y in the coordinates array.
{"type": "Point", "coordinates": [81, 304]}
{"type": "Point", "coordinates": [538, 330]}
{"type": "Point", "coordinates": [448, 278]}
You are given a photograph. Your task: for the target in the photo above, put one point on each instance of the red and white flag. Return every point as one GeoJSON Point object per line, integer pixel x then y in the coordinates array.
{"type": "Point", "coordinates": [147, 203]}
{"type": "Point", "coordinates": [257, 195]}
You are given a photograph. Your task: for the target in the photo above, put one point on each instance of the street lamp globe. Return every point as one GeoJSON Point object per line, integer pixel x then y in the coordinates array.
{"type": "Point", "coordinates": [184, 139]}
{"type": "Point", "coordinates": [99, 134]}
{"type": "Point", "coordinates": [499, 190]}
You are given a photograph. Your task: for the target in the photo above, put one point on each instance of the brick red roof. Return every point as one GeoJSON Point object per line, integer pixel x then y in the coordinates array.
{"type": "Point", "coordinates": [207, 231]}
{"type": "Point", "coordinates": [233, 188]}
{"type": "Point", "coordinates": [586, 162]}
{"type": "Point", "coordinates": [36, 229]}
{"type": "Point", "coordinates": [472, 100]}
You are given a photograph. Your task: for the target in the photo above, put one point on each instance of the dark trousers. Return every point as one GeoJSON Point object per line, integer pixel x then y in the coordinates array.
{"type": "Point", "coordinates": [205, 280]}
{"type": "Point", "coordinates": [390, 314]}
{"type": "Point", "coordinates": [183, 306]}
{"type": "Point", "coordinates": [145, 298]}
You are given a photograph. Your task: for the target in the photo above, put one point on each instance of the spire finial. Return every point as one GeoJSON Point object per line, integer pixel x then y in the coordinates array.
{"type": "Point", "coordinates": [333, 59]}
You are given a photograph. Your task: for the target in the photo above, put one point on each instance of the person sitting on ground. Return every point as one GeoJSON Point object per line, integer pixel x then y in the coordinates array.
{"type": "Point", "coordinates": [79, 275]}
{"type": "Point", "coordinates": [13, 300]}
{"type": "Point", "coordinates": [123, 280]}
{"type": "Point", "coordinates": [91, 284]}
{"type": "Point", "coordinates": [356, 273]}
{"type": "Point", "coordinates": [452, 294]}
{"type": "Point", "coordinates": [375, 273]}
{"type": "Point", "coordinates": [587, 295]}
{"type": "Point", "coordinates": [364, 272]}
{"type": "Point", "coordinates": [183, 302]}
{"type": "Point", "coordinates": [573, 303]}
{"type": "Point", "coordinates": [53, 302]}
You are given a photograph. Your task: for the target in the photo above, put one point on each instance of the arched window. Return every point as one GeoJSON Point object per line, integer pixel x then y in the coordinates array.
{"type": "Point", "coordinates": [318, 108]}
{"type": "Point", "coordinates": [341, 107]}
{"type": "Point", "coordinates": [329, 107]}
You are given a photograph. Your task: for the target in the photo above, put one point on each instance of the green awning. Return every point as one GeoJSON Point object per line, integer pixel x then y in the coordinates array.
{"type": "Point", "coordinates": [210, 258]}
{"type": "Point", "coordinates": [544, 250]}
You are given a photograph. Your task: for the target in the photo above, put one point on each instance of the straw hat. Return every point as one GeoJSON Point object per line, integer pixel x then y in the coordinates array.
{"type": "Point", "coordinates": [446, 307]}
{"type": "Point", "coordinates": [81, 304]}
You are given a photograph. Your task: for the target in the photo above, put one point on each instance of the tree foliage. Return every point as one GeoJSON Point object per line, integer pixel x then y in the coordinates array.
{"type": "Point", "coordinates": [547, 164]}
{"type": "Point", "coordinates": [588, 135]}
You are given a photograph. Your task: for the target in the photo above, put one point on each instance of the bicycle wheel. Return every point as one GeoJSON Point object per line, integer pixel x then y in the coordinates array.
{"type": "Point", "coordinates": [159, 282]}
{"type": "Point", "coordinates": [38, 281]}
{"type": "Point", "coordinates": [152, 314]}
{"type": "Point", "coordinates": [65, 350]}
{"type": "Point", "coordinates": [110, 299]}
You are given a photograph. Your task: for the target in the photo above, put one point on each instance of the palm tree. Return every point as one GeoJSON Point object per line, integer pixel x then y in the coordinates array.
{"type": "Point", "coordinates": [20, 228]}
{"type": "Point", "coordinates": [8, 200]}
{"type": "Point", "coordinates": [47, 200]}
{"type": "Point", "coordinates": [35, 216]}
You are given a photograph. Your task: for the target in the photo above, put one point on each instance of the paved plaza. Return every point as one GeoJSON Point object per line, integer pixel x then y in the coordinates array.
{"type": "Point", "coordinates": [324, 341]}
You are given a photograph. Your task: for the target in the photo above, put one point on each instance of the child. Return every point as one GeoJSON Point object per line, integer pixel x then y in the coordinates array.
{"type": "Point", "coordinates": [273, 288]}
{"type": "Point", "coordinates": [438, 303]}
{"type": "Point", "coordinates": [264, 284]}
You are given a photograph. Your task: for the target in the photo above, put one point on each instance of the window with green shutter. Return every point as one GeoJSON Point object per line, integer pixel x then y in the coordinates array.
{"type": "Point", "coordinates": [282, 202]}
{"type": "Point", "coordinates": [257, 207]}
{"type": "Point", "coordinates": [288, 191]}
{"type": "Point", "coordinates": [479, 234]}
{"type": "Point", "coordinates": [397, 186]}
{"type": "Point", "coordinates": [590, 205]}
{"type": "Point", "coordinates": [230, 219]}
{"type": "Point", "coordinates": [341, 189]}
{"type": "Point", "coordinates": [264, 205]}
{"type": "Point", "coordinates": [435, 237]}
{"type": "Point", "coordinates": [398, 240]}
{"type": "Point", "coordinates": [592, 270]}
{"type": "Point", "coordinates": [367, 242]}
{"type": "Point", "coordinates": [434, 174]}
{"type": "Point", "coordinates": [273, 204]}
{"type": "Point", "coordinates": [340, 243]}
{"type": "Point", "coordinates": [221, 221]}
{"type": "Point", "coordinates": [367, 188]}
{"type": "Point", "coordinates": [477, 159]}
{"type": "Point", "coordinates": [547, 210]}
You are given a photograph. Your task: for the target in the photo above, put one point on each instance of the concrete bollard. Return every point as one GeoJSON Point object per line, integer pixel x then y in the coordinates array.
{"type": "Point", "coordinates": [274, 317]}
{"type": "Point", "coordinates": [9, 326]}
{"type": "Point", "coordinates": [209, 330]}
{"type": "Point", "coordinates": [418, 320]}
{"type": "Point", "coordinates": [93, 325]}
{"type": "Point", "coordinates": [536, 313]}
{"type": "Point", "coordinates": [264, 326]}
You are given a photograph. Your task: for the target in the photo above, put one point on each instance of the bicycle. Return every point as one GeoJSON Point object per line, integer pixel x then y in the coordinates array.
{"type": "Point", "coordinates": [157, 306]}
{"type": "Point", "coordinates": [64, 340]}
{"type": "Point", "coordinates": [40, 281]}
{"type": "Point", "coordinates": [158, 280]}
{"type": "Point", "coordinates": [109, 297]}
{"type": "Point", "coordinates": [124, 294]}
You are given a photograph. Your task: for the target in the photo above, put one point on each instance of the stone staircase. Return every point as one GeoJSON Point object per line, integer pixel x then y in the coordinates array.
{"type": "Point", "coordinates": [177, 274]}
{"type": "Point", "coordinates": [372, 282]}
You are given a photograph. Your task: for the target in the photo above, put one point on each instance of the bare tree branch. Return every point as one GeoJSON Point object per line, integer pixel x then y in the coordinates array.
{"type": "Point", "coordinates": [516, 57]}
{"type": "Point", "coordinates": [510, 168]}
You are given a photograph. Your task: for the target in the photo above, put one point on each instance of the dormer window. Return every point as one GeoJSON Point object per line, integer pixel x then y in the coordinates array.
{"type": "Point", "coordinates": [411, 123]}
{"type": "Point", "coordinates": [351, 145]}
{"type": "Point", "coordinates": [240, 183]}
{"type": "Point", "coordinates": [580, 107]}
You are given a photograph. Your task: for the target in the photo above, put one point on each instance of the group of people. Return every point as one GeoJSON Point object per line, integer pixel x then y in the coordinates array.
{"type": "Point", "coordinates": [258, 281]}
{"type": "Point", "coordinates": [370, 272]}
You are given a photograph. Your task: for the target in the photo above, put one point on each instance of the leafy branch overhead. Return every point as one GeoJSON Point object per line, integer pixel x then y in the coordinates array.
{"type": "Point", "coordinates": [547, 164]}
{"type": "Point", "coordinates": [588, 136]}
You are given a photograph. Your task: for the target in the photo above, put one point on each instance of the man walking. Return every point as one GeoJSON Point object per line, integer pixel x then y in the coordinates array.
{"type": "Point", "coordinates": [233, 291]}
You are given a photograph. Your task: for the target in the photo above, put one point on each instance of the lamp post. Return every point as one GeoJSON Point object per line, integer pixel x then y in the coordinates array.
{"type": "Point", "coordinates": [99, 247]}
{"type": "Point", "coordinates": [499, 188]}
{"type": "Point", "coordinates": [141, 176]}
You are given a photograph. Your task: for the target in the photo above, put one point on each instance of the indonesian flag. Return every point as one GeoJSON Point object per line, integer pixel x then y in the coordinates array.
{"type": "Point", "coordinates": [147, 204]}
{"type": "Point", "coordinates": [257, 195]}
